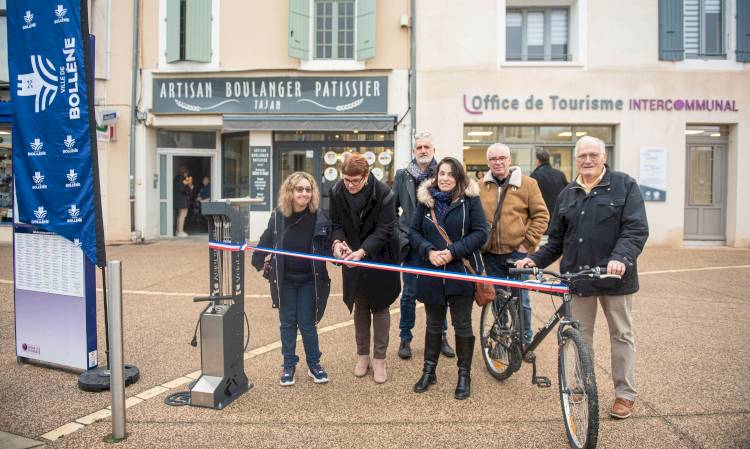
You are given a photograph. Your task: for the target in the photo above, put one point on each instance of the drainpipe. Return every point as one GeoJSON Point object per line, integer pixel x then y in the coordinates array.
{"type": "Point", "coordinates": [413, 68]}
{"type": "Point", "coordinates": [133, 114]}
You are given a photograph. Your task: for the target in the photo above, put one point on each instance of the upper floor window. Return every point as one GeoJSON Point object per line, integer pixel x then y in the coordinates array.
{"type": "Point", "coordinates": [189, 30]}
{"type": "Point", "coordinates": [536, 34]}
{"type": "Point", "coordinates": [704, 29]}
{"type": "Point", "coordinates": [333, 30]}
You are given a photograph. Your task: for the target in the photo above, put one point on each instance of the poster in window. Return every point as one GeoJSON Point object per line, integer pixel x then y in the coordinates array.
{"type": "Point", "coordinates": [653, 174]}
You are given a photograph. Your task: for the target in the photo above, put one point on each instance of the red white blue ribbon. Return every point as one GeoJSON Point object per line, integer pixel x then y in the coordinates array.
{"type": "Point", "coordinates": [529, 285]}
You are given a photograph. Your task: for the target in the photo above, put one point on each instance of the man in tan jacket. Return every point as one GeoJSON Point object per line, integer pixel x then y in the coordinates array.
{"type": "Point", "coordinates": [518, 217]}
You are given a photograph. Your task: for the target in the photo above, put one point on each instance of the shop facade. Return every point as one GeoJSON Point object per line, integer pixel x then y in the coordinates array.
{"type": "Point", "coordinates": [247, 133]}
{"type": "Point", "coordinates": [682, 129]}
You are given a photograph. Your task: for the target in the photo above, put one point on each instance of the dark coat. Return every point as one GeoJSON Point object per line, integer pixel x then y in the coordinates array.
{"type": "Point", "coordinates": [320, 245]}
{"type": "Point", "coordinates": [589, 230]}
{"type": "Point", "coordinates": [551, 182]}
{"type": "Point", "coordinates": [375, 233]}
{"type": "Point", "coordinates": [467, 227]}
{"type": "Point", "coordinates": [405, 192]}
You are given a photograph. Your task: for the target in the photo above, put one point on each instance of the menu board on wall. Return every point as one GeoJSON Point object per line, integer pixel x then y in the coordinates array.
{"type": "Point", "coordinates": [260, 177]}
{"type": "Point", "coordinates": [652, 176]}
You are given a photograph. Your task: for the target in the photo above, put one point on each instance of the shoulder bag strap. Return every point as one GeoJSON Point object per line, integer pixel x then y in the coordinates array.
{"type": "Point", "coordinates": [442, 232]}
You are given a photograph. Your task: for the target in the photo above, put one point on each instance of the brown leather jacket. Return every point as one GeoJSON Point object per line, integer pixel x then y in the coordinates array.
{"type": "Point", "coordinates": [523, 218]}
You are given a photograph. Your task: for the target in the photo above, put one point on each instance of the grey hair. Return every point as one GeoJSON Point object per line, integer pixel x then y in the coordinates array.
{"type": "Point", "coordinates": [497, 146]}
{"type": "Point", "coordinates": [423, 135]}
{"type": "Point", "coordinates": [590, 140]}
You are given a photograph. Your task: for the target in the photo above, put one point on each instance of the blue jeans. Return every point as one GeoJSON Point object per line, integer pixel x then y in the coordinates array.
{"type": "Point", "coordinates": [297, 310]}
{"type": "Point", "coordinates": [495, 266]}
{"type": "Point", "coordinates": [409, 299]}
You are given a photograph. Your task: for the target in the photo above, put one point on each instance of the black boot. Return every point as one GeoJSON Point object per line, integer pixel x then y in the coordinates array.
{"type": "Point", "coordinates": [465, 352]}
{"type": "Point", "coordinates": [431, 352]}
{"type": "Point", "coordinates": [445, 347]}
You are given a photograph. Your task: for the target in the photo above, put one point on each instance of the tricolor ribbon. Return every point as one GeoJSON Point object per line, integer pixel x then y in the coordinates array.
{"type": "Point", "coordinates": [529, 284]}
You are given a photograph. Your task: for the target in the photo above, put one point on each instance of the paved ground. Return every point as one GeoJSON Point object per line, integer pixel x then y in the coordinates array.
{"type": "Point", "coordinates": [692, 333]}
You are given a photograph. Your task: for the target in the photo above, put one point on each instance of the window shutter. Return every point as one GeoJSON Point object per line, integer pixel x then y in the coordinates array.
{"type": "Point", "coordinates": [198, 31]}
{"type": "Point", "coordinates": [743, 30]}
{"type": "Point", "coordinates": [173, 30]}
{"type": "Point", "coordinates": [365, 29]}
{"type": "Point", "coordinates": [299, 29]}
{"type": "Point", "coordinates": [671, 46]}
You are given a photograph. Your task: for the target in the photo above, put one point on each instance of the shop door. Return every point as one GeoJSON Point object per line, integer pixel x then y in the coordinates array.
{"type": "Point", "coordinates": [705, 203]}
{"type": "Point", "coordinates": [292, 159]}
{"type": "Point", "coordinates": [170, 202]}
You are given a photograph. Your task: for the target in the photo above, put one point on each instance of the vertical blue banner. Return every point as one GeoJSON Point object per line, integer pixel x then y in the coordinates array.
{"type": "Point", "coordinates": [54, 155]}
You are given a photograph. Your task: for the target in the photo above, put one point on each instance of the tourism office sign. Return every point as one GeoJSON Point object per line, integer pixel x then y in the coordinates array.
{"type": "Point", "coordinates": [271, 95]}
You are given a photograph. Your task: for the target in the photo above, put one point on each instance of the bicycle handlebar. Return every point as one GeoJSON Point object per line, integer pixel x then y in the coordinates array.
{"type": "Point", "coordinates": [596, 273]}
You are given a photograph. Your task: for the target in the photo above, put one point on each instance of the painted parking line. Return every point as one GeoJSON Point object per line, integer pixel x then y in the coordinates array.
{"type": "Point", "coordinates": [156, 391]}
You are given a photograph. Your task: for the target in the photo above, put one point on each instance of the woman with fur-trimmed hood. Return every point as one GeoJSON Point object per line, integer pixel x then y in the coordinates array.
{"type": "Point", "coordinates": [449, 200]}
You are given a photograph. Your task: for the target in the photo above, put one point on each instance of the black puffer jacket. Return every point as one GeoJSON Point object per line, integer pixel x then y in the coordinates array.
{"type": "Point", "coordinates": [321, 245]}
{"type": "Point", "coordinates": [467, 227]}
{"type": "Point", "coordinates": [375, 231]}
{"type": "Point", "coordinates": [589, 230]}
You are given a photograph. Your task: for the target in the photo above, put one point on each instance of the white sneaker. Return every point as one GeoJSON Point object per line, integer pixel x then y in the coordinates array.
{"type": "Point", "coordinates": [182, 234]}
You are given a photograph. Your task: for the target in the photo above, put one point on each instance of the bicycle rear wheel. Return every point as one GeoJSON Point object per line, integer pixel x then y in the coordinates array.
{"type": "Point", "coordinates": [499, 338]}
{"type": "Point", "coordinates": [578, 395]}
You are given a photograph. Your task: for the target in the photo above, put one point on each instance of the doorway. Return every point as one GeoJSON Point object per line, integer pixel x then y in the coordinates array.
{"type": "Point", "coordinates": [705, 195]}
{"type": "Point", "coordinates": [173, 193]}
{"type": "Point", "coordinates": [198, 170]}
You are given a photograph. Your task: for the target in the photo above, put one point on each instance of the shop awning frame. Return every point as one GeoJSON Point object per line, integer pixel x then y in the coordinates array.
{"type": "Point", "coordinates": [333, 122]}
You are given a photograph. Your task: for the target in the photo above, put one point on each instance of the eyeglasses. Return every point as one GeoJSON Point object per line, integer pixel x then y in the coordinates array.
{"type": "Point", "coordinates": [353, 182]}
{"type": "Point", "coordinates": [593, 156]}
{"type": "Point", "coordinates": [300, 189]}
{"type": "Point", "coordinates": [494, 160]}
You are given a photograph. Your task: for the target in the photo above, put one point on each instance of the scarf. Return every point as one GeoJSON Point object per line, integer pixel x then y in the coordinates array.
{"type": "Point", "coordinates": [442, 201]}
{"type": "Point", "coordinates": [417, 174]}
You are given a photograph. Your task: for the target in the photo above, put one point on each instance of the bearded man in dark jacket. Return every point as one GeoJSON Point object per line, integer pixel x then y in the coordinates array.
{"type": "Point", "coordinates": [405, 186]}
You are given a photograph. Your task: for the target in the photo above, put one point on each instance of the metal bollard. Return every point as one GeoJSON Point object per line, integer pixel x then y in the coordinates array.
{"type": "Point", "coordinates": [117, 370]}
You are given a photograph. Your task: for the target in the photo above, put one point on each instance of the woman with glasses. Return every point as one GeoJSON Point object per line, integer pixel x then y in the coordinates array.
{"type": "Point", "coordinates": [299, 287]}
{"type": "Point", "coordinates": [363, 213]}
{"type": "Point", "coordinates": [448, 204]}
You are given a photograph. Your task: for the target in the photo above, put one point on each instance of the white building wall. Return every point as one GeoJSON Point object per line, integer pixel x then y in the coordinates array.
{"type": "Point", "coordinates": [458, 55]}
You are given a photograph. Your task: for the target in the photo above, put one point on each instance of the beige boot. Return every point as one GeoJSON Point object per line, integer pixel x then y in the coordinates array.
{"type": "Point", "coordinates": [379, 373]}
{"type": "Point", "coordinates": [363, 362]}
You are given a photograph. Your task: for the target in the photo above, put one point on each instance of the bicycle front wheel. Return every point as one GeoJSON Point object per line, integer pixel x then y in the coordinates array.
{"type": "Point", "coordinates": [578, 395]}
{"type": "Point", "coordinates": [499, 326]}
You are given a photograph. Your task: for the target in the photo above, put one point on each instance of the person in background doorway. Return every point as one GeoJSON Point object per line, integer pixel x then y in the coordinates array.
{"type": "Point", "coordinates": [183, 191]}
{"type": "Point", "coordinates": [299, 287]}
{"type": "Point", "coordinates": [364, 227]}
{"type": "Point", "coordinates": [600, 220]}
{"type": "Point", "coordinates": [479, 175]}
{"type": "Point", "coordinates": [405, 191]}
{"type": "Point", "coordinates": [204, 194]}
{"type": "Point", "coordinates": [551, 180]}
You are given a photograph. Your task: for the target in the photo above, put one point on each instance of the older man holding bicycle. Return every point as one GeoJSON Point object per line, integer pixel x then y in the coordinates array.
{"type": "Point", "coordinates": [600, 220]}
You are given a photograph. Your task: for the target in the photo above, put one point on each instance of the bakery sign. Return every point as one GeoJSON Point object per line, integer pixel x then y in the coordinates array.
{"type": "Point", "coordinates": [271, 95]}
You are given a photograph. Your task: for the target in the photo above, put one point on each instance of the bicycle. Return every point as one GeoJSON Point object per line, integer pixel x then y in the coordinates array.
{"type": "Point", "coordinates": [504, 350]}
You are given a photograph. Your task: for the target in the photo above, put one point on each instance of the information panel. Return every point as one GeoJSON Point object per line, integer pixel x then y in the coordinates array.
{"type": "Point", "coordinates": [652, 176]}
{"type": "Point", "coordinates": [55, 300]}
{"type": "Point", "coordinates": [260, 177]}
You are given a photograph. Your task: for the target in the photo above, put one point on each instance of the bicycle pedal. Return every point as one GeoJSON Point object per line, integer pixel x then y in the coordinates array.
{"type": "Point", "coordinates": [542, 382]}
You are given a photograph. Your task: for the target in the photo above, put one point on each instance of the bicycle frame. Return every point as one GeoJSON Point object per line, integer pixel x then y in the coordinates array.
{"type": "Point", "coordinates": [561, 315]}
